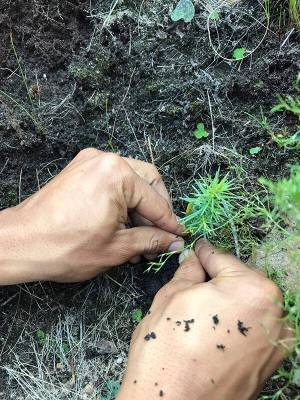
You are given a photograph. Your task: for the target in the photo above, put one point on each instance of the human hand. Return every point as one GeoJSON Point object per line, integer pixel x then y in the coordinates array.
{"type": "Point", "coordinates": [215, 340]}
{"type": "Point", "coordinates": [75, 227]}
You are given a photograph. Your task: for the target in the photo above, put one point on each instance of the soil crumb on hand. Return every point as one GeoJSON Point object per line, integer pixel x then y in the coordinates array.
{"type": "Point", "coordinates": [168, 318]}
{"type": "Point", "coordinates": [187, 324]}
{"type": "Point", "coordinates": [215, 319]}
{"type": "Point", "coordinates": [178, 323]}
{"type": "Point", "coordinates": [242, 328]}
{"type": "Point", "coordinates": [135, 381]}
{"type": "Point", "coordinates": [149, 336]}
{"type": "Point", "coordinates": [161, 393]}
{"type": "Point", "coordinates": [221, 347]}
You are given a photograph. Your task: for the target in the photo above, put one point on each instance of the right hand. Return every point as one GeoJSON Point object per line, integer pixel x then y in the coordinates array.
{"type": "Point", "coordinates": [233, 341]}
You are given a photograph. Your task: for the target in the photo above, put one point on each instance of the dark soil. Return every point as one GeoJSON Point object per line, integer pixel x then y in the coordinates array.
{"type": "Point", "coordinates": [138, 84]}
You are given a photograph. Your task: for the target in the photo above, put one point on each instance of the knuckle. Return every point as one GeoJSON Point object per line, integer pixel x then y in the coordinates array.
{"type": "Point", "coordinates": [264, 291]}
{"type": "Point", "coordinates": [111, 164]}
{"type": "Point", "coordinates": [154, 246]}
{"type": "Point", "coordinates": [89, 152]}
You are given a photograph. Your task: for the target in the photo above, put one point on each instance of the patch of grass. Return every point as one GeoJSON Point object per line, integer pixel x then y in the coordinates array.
{"type": "Point", "coordinates": [31, 113]}
{"type": "Point", "coordinates": [284, 217]}
{"type": "Point", "coordinates": [294, 11]}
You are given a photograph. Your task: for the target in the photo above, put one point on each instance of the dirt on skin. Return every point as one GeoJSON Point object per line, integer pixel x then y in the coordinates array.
{"type": "Point", "coordinates": [122, 77]}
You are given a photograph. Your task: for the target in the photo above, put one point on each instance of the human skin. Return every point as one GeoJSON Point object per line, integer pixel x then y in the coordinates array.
{"type": "Point", "coordinates": [233, 341]}
{"type": "Point", "coordinates": [77, 225]}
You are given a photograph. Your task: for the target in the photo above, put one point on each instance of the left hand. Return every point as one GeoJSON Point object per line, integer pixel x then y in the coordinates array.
{"type": "Point", "coordinates": [77, 225]}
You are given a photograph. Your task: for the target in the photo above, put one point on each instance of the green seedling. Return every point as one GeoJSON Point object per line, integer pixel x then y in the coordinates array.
{"type": "Point", "coordinates": [239, 53]}
{"type": "Point", "coordinates": [211, 206]}
{"type": "Point", "coordinates": [214, 15]}
{"type": "Point", "coordinates": [137, 315]}
{"type": "Point", "coordinates": [185, 10]}
{"type": "Point", "coordinates": [200, 132]}
{"type": "Point", "coordinates": [255, 150]}
{"type": "Point", "coordinates": [41, 337]}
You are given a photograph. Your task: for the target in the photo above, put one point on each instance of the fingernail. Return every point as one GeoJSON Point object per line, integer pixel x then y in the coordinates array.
{"type": "Point", "coordinates": [184, 255]}
{"type": "Point", "coordinates": [177, 246]}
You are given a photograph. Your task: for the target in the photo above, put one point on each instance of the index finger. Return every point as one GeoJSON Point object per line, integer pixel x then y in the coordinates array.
{"type": "Point", "coordinates": [149, 173]}
{"type": "Point", "coordinates": [142, 198]}
{"type": "Point", "coordinates": [216, 262]}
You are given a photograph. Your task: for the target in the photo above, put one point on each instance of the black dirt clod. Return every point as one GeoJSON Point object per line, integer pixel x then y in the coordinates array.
{"type": "Point", "coordinates": [135, 381]}
{"type": "Point", "coordinates": [161, 393]}
{"type": "Point", "coordinates": [221, 347]}
{"type": "Point", "coordinates": [215, 319]}
{"type": "Point", "coordinates": [187, 324]}
{"type": "Point", "coordinates": [147, 337]}
{"type": "Point", "coordinates": [242, 328]}
{"type": "Point", "coordinates": [178, 323]}
{"type": "Point", "coordinates": [153, 335]}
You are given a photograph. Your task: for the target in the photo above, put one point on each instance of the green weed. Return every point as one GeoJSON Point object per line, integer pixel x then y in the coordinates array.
{"type": "Point", "coordinates": [201, 132]}
{"type": "Point", "coordinates": [137, 315]}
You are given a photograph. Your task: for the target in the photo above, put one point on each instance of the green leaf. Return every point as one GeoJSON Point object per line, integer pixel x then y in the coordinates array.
{"type": "Point", "coordinates": [200, 132]}
{"type": "Point", "coordinates": [185, 10]}
{"type": "Point", "coordinates": [239, 53]}
{"type": "Point", "coordinates": [214, 15]}
{"type": "Point", "coordinates": [255, 150]}
{"type": "Point", "coordinates": [296, 377]}
{"type": "Point", "coordinates": [137, 315]}
{"type": "Point", "coordinates": [41, 337]}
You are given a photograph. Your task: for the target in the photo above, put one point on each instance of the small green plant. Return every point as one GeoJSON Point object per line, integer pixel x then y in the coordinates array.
{"type": "Point", "coordinates": [111, 391]}
{"type": "Point", "coordinates": [255, 150]}
{"type": "Point", "coordinates": [137, 315]}
{"type": "Point", "coordinates": [239, 53]}
{"type": "Point", "coordinates": [40, 337]}
{"type": "Point", "coordinates": [212, 205]}
{"type": "Point", "coordinates": [185, 10]}
{"type": "Point", "coordinates": [200, 132]}
{"type": "Point", "coordinates": [214, 15]}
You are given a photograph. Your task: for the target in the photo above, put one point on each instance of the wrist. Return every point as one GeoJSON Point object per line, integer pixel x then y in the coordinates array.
{"type": "Point", "coordinates": [16, 259]}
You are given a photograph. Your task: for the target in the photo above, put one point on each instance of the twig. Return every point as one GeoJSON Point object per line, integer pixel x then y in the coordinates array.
{"type": "Point", "coordinates": [212, 121]}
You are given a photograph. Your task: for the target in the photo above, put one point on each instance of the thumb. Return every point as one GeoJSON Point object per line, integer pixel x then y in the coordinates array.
{"type": "Point", "coordinates": [190, 268]}
{"type": "Point", "coordinates": [148, 240]}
